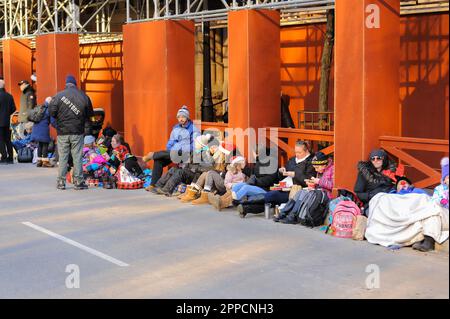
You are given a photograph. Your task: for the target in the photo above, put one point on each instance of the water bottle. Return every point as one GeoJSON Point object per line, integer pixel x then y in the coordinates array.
{"type": "Point", "coordinates": [268, 211]}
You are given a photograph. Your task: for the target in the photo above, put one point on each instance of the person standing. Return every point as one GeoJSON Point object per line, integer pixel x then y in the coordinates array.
{"type": "Point", "coordinates": [71, 108]}
{"type": "Point", "coordinates": [27, 102]}
{"type": "Point", "coordinates": [41, 135]}
{"type": "Point", "coordinates": [7, 108]}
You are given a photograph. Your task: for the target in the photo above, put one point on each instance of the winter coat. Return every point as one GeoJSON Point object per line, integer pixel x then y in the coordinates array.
{"type": "Point", "coordinates": [326, 180]}
{"type": "Point", "coordinates": [303, 170]}
{"type": "Point", "coordinates": [233, 178]}
{"type": "Point", "coordinates": [7, 108]}
{"type": "Point", "coordinates": [182, 138]}
{"type": "Point", "coordinates": [440, 195]}
{"type": "Point", "coordinates": [41, 130]}
{"type": "Point", "coordinates": [261, 175]}
{"type": "Point", "coordinates": [371, 182]}
{"type": "Point", "coordinates": [27, 102]}
{"type": "Point", "coordinates": [71, 108]}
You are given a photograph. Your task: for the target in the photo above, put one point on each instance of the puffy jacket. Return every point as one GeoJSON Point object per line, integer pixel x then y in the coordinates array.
{"type": "Point", "coordinates": [41, 130]}
{"type": "Point", "coordinates": [7, 108]}
{"type": "Point", "coordinates": [182, 138]}
{"type": "Point", "coordinates": [27, 102]}
{"type": "Point", "coordinates": [71, 108]}
{"type": "Point", "coordinates": [371, 182]}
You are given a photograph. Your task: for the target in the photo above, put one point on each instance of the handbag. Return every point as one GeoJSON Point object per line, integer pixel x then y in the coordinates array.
{"type": "Point", "coordinates": [25, 155]}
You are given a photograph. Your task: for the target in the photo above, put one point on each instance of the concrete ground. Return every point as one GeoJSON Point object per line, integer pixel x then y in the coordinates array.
{"type": "Point", "coordinates": [155, 247]}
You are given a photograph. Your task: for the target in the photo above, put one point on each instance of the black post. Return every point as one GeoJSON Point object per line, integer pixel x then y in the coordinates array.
{"type": "Point", "coordinates": [207, 103]}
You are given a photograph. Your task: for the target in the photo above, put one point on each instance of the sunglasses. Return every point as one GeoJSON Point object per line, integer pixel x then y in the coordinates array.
{"type": "Point", "coordinates": [376, 158]}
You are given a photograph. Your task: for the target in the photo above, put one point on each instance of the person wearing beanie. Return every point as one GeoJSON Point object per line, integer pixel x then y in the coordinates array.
{"type": "Point", "coordinates": [440, 194]}
{"type": "Point", "coordinates": [27, 102]}
{"type": "Point", "coordinates": [41, 135]}
{"type": "Point", "coordinates": [71, 108]}
{"type": "Point", "coordinates": [179, 146]}
{"type": "Point", "coordinates": [233, 176]}
{"type": "Point", "coordinates": [377, 175]}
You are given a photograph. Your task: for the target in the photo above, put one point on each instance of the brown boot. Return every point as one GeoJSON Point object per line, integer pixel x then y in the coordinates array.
{"type": "Point", "coordinates": [149, 188]}
{"type": "Point", "coordinates": [226, 200]}
{"type": "Point", "coordinates": [190, 195]}
{"type": "Point", "coordinates": [46, 163]}
{"type": "Point", "coordinates": [203, 199]}
{"type": "Point", "coordinates": [214, 200]}
{"type": "Point", "coordinates": [39, 162]}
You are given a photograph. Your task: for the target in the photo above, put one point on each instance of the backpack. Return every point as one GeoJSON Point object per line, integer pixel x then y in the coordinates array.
{"type": "Point", "coordinates": [25, 155]}
{"type": "Point", "coordinates": [36, 114]}
{"type": "Point", "coordinates": [314, 208]}
{"type": "Point", "coordinates": [344, 219]}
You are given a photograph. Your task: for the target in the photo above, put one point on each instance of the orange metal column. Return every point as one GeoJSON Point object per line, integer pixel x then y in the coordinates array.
{"type": "Point", "coordinates": [254, 69]}
{"type": "Point", "coordinates": [57, 55]}
{"type": "Point", "coordinates": [16, 65]}
{"type": "Point", "coordinates": [158, 73]}
{"type": "Point", "coordinates": [367, 55]}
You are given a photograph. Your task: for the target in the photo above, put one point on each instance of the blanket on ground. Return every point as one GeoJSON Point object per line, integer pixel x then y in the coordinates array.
{"type": "Point", "coordinates": [405, 219]}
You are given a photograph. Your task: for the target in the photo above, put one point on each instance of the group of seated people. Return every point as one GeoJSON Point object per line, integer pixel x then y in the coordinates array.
{"type": "Point", "coordinates": [204, 170]}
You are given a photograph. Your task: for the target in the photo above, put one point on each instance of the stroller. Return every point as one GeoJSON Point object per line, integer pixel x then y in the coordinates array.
{"type": "Point", "coordinates": [96, 122]}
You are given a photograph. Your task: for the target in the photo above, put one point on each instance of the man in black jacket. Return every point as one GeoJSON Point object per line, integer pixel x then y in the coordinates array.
{"type": "Point", "coordinates": [7, 108]}
{"type": "Point", "coordinates": [71, 108]}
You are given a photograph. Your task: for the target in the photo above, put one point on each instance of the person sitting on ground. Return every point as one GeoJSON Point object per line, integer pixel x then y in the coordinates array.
{"type": "Point", "coordinates": [121, 154]}
{"type": "Point", "coordinates": [233, 176]}
{"type": "Point", "coordinates": [249, 197]}
{"type": "Point", "coordinates": [95, 166]}
{"type": "Point", "coordinates": [324, 180]}
{"type": "Point", "coordinates": [374, 176]}
{"type": "Point", "coordinates": [398, 220]}
{"type": "Point", "coordinates": [440, 194]}
{"type": "Point", "coordinates": [26, 141]}
{"type": "Point", "coordinates": [202, 160]}
{"type": "Point", "coordinates": [179, 146]}
{"type": "Point", "coordinates": [405, 186]}
{"type": "Point", "coordinates": [104, 141]}
{"type": "Point", "coordinates": [298, 169]}
{"type": "Point", "coordinates": [41, 135]}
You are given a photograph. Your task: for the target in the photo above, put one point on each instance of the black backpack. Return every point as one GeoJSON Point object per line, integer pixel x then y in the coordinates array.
{"type": "Point", "coordinates": [36, 114]}
{"type": "Point", "coordinates": [313, 210]}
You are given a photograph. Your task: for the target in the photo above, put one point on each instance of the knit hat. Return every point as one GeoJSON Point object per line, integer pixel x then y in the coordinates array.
{"type": "Point", "coordinates": [213, 142]}
{"type": "Point", "coordinates": [184, 111]}
{"type": "Point", "coordinates": [402, 178]}
{"type": "Point", "coordinates": [71, 79]}
{"type": "Point", "coordinates": [109, 131]}
{"type": "Point", "coordinates": [444, 165]}
{"type": "Point", "coordinates": [320, 159]}
{"type": "Point", "coordinates": [89, 139]}
{"type": "Point", "coordinates": [226, 148]}
{"type": "Point", "coordinates": [379, 153]}
{"type": "Point", "coordinates": [237, 159]}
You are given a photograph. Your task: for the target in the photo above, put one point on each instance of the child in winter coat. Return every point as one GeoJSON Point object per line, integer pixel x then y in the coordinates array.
{"type": "Point", "coordinates": [440, 194]}
{"type": "Point", "coordinates": [41, 135]}
{"type": "Point", "coordinates": [233, 176]}
{"type": "Point", "coordinates": [121, 154]}
{"type": "Point", "coordinates": [325, 171]}
{"type": "Point", "coordinates": [94, 164]}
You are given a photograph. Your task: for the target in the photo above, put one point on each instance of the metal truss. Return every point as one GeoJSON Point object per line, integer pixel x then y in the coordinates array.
{"type": "Point", "coordinates": [27, 18]}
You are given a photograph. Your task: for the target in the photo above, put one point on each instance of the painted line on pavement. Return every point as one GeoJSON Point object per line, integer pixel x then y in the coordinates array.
{"type": "Point", "coordinates": [76, 244]}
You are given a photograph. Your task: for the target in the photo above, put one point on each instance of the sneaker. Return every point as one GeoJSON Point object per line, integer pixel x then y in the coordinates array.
{"type": "Point", "coordinates": [81, 186]}
{"type": "Point", "coordinates": [61, 185]}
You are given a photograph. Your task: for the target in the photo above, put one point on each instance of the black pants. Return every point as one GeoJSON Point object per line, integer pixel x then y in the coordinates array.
{"type": "Point", "coordinates": [175, 176]}
{"type": "Point", "coordinates": [6, 148]}
{"type": "Point", "coordinates": [132, 165]}
{"type": "Point", "coordinates": [160, 160]}
{"type": "Point", "coordinates": [42, 150]}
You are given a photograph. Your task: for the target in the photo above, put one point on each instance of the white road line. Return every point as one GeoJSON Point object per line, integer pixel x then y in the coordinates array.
{"type": "Point", "coordinates": [76, 244]}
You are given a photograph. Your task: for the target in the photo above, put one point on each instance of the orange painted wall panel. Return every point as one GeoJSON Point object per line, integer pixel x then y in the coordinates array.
{"type": "Point", "coordinates": [57, 55]}
{"type": "Point", "coordinates": [101, 78]}
{"type": "Point", "coordinates": [254, 68]}
{"type": "Point", "coordinates": [158, 79]}
{"type": "Point", "coordinates": [16, 65]}
{"type": "Point", "coordinates": [366, 83]}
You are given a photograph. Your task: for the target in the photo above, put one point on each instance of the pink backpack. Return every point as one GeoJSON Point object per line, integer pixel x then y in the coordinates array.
{"type": "Point", "coordinates": [344, 219]}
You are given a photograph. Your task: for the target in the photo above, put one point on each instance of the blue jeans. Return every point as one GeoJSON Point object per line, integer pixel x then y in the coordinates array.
{"type": "Point", "coordinates": [243, 189]}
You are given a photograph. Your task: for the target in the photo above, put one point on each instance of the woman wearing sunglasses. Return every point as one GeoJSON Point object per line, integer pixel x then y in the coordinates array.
{"type": "Point", "coordinates": [377, 175]}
